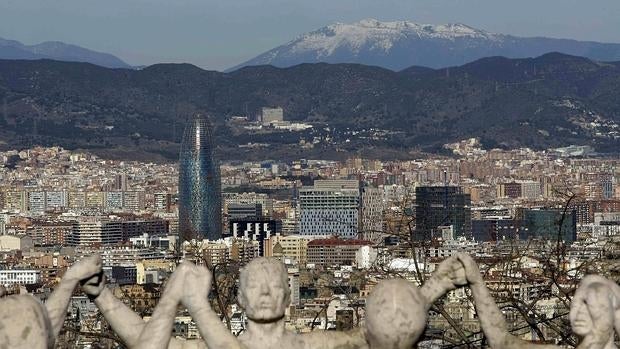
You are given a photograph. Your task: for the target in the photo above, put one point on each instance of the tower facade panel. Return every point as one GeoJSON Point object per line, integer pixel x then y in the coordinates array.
{"type": "Point", "coordinates": [200, 202]}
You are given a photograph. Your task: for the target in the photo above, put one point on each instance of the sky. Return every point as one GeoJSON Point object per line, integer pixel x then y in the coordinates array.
{"type": "Point", "coordinates": [219, 34]}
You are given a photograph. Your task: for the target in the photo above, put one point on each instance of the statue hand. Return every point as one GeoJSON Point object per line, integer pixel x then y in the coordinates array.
{"type": "Point", "coordinates": [197, 286]}
{"type": "Point", "coordinates": [450, 273]}
{"type": "Point", "coordinates": [472, 272]}
{"type": "Point", "coordinates": [175, 284]}
{"type": "Point", "coordinates": [85, 269]}
{"type": "Point", "coordinates": [93, 286]}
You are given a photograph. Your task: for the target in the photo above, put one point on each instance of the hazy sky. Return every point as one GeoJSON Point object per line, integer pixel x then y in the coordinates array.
{"type": "Point", "coordinates": [217, 34]}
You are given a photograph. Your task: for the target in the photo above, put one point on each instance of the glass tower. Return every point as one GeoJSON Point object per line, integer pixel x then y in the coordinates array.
{"type": "Point", "coordinates": [200, 199]}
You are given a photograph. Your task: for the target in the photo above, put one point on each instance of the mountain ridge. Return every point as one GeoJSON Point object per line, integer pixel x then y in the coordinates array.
{"type": "Point", "coordinates": [400, 44]}
{"type": "Point", "coordinates": [544, 102]}
{"type": "Point", "coordinates": [57, 50]}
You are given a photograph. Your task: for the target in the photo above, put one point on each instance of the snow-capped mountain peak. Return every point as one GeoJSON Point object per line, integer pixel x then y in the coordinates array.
{"type": "Point", "coordinates": [400, 44]}
{"type": "Point", "coordinates": [374, 35]}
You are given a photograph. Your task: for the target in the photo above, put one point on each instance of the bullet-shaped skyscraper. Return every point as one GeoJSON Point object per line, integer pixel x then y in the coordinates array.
{"type": "Point", "coordinates": [200, 199]}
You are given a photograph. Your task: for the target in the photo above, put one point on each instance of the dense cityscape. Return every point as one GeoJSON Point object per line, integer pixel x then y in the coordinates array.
{"type": "Point", "coordinates": [537, 221]}
{"type": "Point", "coordinates": [403, 174]}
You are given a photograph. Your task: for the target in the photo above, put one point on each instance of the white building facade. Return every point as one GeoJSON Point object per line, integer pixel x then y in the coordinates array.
{"type": "Point", "coordinates": [330, 208]}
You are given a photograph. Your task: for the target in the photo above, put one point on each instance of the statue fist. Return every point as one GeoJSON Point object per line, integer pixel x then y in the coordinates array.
{"type": "Point", "coordinates": [176, 282]}
{"type": "Point", "coordinates": [451, 273]}
{"type": "Point", "coordinates": [93, 286]}
{"type": "Point", "coordinates": [85, 269]}
{"type": "Point", "coordinates": [472, 272]}
{"type": "Point", "coordinates": [197, 286]}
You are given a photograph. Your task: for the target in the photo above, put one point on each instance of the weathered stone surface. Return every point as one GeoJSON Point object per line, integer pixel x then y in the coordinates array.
{"type": "Point", "coordinates": [26, 323]}
{"type": "Point", "coordinates": [396, 311]}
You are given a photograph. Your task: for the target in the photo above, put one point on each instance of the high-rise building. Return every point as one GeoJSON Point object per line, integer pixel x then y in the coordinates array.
{"type": "Point", "coordinates": [330, 207]}
{"type": "Point", "coordinates": [16, 200]}
{"type": "Point", "coordinates": [120, 182]}
{"type": "Point", "coordinates": [249, 198]}
{"type": "Point", "coordinates": [36, 202]}
{"type": "Point", "coordinates": [372, 214]}
{"type": "Point", "coordinates": [55, 200]}
{"type": "Point", "coordinates": [200, 202]}
{"type": "Point", "coordinates": [442, 206]}
{"type": "Point", "coordinates": [552, 224]}
{"type": "Point", "coordinates": [256, 229]}
{"type": "Point", "coordinates": [133, 200]}
{"type": "Point", "coordinates": [4, 219]}
{"type": "Point", "coordinates": [162, 201]}
{"type": "Point", "coordinates": [114, 201]}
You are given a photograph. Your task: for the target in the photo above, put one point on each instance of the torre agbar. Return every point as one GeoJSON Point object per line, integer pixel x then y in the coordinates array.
{"type": "Point", "coordinates": [200, 201]}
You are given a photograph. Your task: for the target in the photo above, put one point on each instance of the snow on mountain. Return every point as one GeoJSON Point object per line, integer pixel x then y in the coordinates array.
{"type": "Point", "coordinates": [400, 44]}
{"type": "Point", "coordinates": [378, 35]}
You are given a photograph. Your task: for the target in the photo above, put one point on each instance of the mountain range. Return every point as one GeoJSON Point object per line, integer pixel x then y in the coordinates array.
{"type": "Point", "coordinates": [550, 101]}
{"type": "Point", "coordinates": [398, 45]}
{"type": "Point", "coordinates": [11, 49]}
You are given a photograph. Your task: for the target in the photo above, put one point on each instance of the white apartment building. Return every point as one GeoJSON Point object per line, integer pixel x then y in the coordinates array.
{"type": "Point", "coordinates": [20, 277]}
{"type": "Point", "coordinates": [271, 115]}
{"type": "Point", "coordinates": [4, 219]}
{"type": "Point", "coordinates": [95, 230]}
{"type": "Point", "coordinates": [530, 189]}
{"type": "Point", "coordinates": [36, 202]}
{"type": "Point", "coordinates": [293, 284]}
{"type": "Point", "coordinates": [114, 201]}
{"type": "Point", "coordinates": [330, 208]}
{"type": "Point", "coordinates": [55, 199]}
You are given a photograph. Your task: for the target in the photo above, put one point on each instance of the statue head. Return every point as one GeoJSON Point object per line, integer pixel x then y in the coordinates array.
{"type": "Point", "coordinates": [264, 293]}
{"type": "Point", "coordinates": [396, 315]}
{"type": "Point", "coordinates": [30, 329]}
{"type": "Point", "coordinates": [594, 308]}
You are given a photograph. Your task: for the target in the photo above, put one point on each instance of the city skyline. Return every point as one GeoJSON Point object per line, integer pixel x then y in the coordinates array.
{"type": "Point", "coordinates": [404, 173]}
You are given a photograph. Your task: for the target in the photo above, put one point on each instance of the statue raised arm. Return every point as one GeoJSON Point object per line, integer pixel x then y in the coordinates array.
{"type": "Point", "coordinates": [592, 314]}
{"type": "Point", "coordinates": [26, 323]}
{"type": "Point", "coordinates": [264, 294]}
{"type": "Point", "coordinates": [195, 297]}
{"type": "Point", "coordinates": [131, 328]}
{"type": "Point", "coordinates": [397, 310]}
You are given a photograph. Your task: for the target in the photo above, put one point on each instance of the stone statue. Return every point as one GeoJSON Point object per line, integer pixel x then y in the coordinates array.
{"type": "Point", "coordinates": [28, 324]}
{"type": "Point", "coordinates": [396, 310]}
{"type": "Point", "coordinates": [594, 311]}
{"type": "Point", "coordinates": [131, 328]}
{"type": "Point", "coordinates": [264, 295]}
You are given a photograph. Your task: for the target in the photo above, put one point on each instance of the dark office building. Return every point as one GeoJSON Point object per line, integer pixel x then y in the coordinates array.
{"type": "Point", "coordinates": [241, 211]}
{"type": "Point", "coordinates": [584, 210]}
{"type": "Point", "coordinates": [153, 227]}
{"type": "Point", "coordinates": [546, 224]}
{"type": "Point", "coordinates": [124, 275]}
{"type": "Point", "coordinates": [200, 199]}
{"type": "Point", "coordinates": [484, 230]}
{"type": "Point", "coordinates": [441, 206]}
{"type": "Point", "coordinates": [512, 190]}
